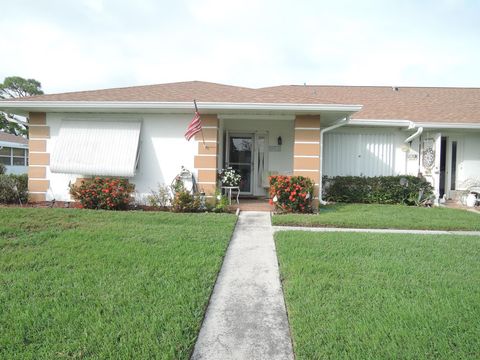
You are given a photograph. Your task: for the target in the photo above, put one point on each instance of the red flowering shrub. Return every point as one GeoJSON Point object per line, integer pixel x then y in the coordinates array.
{"type": "Point", "coordinates": [291, 193]}
{"type": "Point", "coordinates": [103, 193]}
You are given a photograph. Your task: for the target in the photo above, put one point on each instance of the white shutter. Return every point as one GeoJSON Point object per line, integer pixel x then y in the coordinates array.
{"type": "Point", "coordinates": [358, 154]}
{"type": "Point", "coordinates": [105, 148]}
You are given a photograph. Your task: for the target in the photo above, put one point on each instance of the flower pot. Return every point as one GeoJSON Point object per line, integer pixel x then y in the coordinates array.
{"type": "Point", "coordinates": [471, 200]}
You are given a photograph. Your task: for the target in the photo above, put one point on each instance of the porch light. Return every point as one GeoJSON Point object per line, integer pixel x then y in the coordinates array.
{"type": "Point", "coordinates": [279, 140]}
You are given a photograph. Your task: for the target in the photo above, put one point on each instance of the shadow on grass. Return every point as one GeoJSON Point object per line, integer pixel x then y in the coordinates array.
{"type": "Point", "coordinates": [331, 208]}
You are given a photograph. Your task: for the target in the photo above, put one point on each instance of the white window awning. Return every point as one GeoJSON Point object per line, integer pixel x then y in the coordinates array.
{"type": "Point", "coordinates": [104, 148]}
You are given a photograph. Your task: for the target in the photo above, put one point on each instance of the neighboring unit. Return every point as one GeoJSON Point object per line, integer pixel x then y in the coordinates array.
{"type": "Point", "coordinates": [138, 133]}
{"type": "Point", "coordinates": [14, 153]}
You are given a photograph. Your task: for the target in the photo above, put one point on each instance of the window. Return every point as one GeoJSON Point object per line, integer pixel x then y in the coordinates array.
{"type": "Point", "coordinates": [5, 157]}
{"type": "Point", "coordinates": [13, 156]}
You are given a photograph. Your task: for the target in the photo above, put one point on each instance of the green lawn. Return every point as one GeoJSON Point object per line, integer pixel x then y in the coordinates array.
{"type": "Point", "coordinates": [384, 217]}
{"type": "Point", "coordinates": [94, 284]}
{"type": "Point", "coordinates": [376, 296]}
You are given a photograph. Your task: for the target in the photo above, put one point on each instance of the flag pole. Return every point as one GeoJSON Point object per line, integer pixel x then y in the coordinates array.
{"type": "Point", "coordinates": [196, 110]}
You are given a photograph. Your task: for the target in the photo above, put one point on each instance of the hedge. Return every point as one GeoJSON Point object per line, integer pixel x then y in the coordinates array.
{"type": "Point", "coordinates": [376, 190]}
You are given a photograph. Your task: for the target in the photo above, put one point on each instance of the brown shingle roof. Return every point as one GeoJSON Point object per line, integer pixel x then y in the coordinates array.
{"type": "Point", "coordinates": [423, 104]}
{"type": "Point", "coordinates": [171, 92]}
{"type": "Point", "coordinates": [12, 138]}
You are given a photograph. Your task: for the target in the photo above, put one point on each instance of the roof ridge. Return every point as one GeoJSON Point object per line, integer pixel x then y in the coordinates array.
{"type": "Point", "coordinates": [374, 86]}
{"type": "Point", "coordinates": [137, 87]}
{"type": "Point", "coordinates": [254, 90]}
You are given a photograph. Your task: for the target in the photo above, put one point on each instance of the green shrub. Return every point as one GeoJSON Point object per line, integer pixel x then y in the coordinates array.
{"type": "Point", "coordinates": [222, 203]}
{"type": "Point", "coordinates": [376, 190]}
{"type": "Point", "coordinates": [160, 199]}
{"type": "Point", "coordinates": [184, 201]}
{"type": "Point", "coordinates": [3, 169]}
{"type": "Point", "coordinates": [13, 188]}
{"type": "Point", "coordinates": [103, 193]}
{"type": "Point", "coordinates": [291, 193]}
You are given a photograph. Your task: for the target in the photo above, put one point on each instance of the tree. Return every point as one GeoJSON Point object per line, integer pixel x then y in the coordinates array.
{"type": "Point", "coordinates": [15, 87]}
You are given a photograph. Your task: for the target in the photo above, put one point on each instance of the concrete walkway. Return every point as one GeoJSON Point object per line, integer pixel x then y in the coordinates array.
{"type": "Point", "coordinates": [377, 231]}
{"type": "Point", "coordinates": [246, 317]}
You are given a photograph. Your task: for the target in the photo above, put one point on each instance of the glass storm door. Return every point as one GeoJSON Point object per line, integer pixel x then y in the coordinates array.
{"type": "Point", "coordinates": [239, 157]}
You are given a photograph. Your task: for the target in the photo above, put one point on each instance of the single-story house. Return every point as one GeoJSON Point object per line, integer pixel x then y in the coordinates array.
{"type": "Point", "coordinates": [14, 153]}
{"type": "Point", "coordinates": [138, 133]}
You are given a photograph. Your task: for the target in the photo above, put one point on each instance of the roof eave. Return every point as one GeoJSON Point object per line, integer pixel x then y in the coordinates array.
{"type": "Point", "coordinates": [129, 106]}
{"type": "Point", "coordinates": [446, 126]}
{"type": "Point", "coordinates": [4, 143]}
{"type": "Point", "coordinates": [383, 122]}
{"type": "Point", "coordinates": [409, 124]}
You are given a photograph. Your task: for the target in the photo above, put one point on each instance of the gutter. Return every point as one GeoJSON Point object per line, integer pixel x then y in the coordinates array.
{"type": "Point", "coordinates": [464, 126]}
{"type": "Point", "coordinates": [175, 106]}
{"type": "Point", "coordinates": [383, 123]}
{"type": "Point", "coordinates": [343, 122]}
{"type": "Point", "coordinates": [413, 125]}
{"type": "Point", "coordinates": [12, 144]}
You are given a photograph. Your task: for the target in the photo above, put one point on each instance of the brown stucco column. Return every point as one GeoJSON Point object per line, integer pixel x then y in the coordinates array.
{"type": "Point", "coordinates": [39, 158]}
{"type": "Point", "coordinates": [306, 150]}
{"type": "Point", "coordinates": [207, 155]}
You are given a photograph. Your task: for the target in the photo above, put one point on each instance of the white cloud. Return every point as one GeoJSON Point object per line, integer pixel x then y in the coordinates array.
{"type": "Point", "coordinates": [105, 43]}
{"type": "Point", "coordinates": [97, 6]}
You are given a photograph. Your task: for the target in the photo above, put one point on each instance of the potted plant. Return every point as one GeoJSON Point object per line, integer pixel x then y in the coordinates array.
{"type": "Point", "coordinates": [229, 177]}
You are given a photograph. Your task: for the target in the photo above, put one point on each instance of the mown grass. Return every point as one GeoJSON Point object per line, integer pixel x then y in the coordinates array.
{"type": "Point", "coordinates": [384, 217]}
{"type": "Point", "coordinates": [95, 284]}
{"type": "Point", "coordinates": [375, 296]}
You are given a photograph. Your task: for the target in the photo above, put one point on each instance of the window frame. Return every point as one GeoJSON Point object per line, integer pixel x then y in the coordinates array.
{"type": "Point", "coordinates": [12, 157]}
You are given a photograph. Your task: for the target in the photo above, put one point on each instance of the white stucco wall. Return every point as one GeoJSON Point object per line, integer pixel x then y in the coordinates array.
{"type": "Point", "coordinates": [413, 158]}
{"type": "Point", "coordinates": [163, 150]}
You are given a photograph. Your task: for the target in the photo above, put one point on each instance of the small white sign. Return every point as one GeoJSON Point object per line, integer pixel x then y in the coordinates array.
{"type": "Point", "coordinates": [275, 148]}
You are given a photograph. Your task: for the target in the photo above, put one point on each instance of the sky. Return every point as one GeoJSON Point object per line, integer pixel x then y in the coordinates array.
{"type": "Point", "coordinates": [72, 45]}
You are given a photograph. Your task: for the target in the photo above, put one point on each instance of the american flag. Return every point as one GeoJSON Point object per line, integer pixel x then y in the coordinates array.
{"type": "Point", "coordinates": [194, 127]}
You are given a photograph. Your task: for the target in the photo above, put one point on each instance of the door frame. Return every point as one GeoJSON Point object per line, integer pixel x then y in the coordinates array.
{"type": "Point", "coordinates": [449, 165]}
{"type": "Point", "coordinates": [258, 189]}
{"type": "Point", "coordinates": [230, 134]}
{"type": "Point", "coordinates": [255, 178]}
{"type": "Point", "coordinates": [432, 171]}
{"type": "Point", "coordinates": [449, 140]}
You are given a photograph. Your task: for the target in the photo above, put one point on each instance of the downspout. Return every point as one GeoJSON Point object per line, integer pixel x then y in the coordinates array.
{"type": "Point", "coordinates": [409, 141]}
{"type": "Point", "coordinates": [414, 136]}
{"type": "Point", "coordinates": [323, 131]}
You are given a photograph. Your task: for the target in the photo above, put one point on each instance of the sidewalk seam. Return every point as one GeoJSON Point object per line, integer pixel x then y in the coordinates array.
{"type": "Point", "coordinates": [375, 230]}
